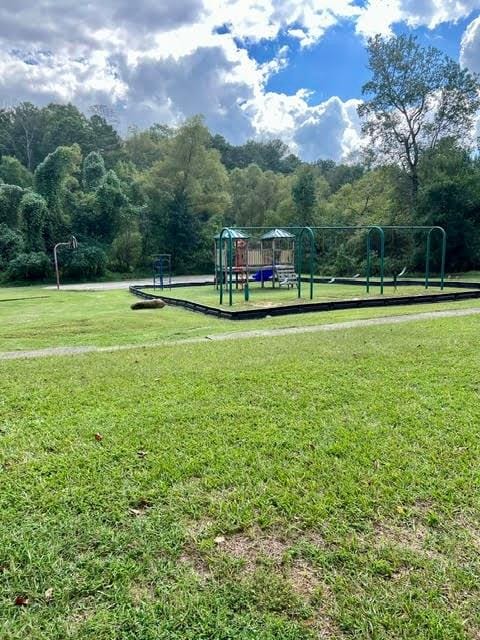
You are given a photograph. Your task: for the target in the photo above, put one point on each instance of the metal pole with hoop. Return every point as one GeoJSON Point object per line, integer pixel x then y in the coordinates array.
{"type": "Point", "coordinates": [73, 244]}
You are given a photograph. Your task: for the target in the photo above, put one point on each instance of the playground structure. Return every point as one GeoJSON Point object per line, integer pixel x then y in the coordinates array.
{"type": "Point", "coordinates": [267, 258]}
{"type": "Point", "coordinates": [162, 271]}
{"type": "Point", "coordinates": [254, 253]}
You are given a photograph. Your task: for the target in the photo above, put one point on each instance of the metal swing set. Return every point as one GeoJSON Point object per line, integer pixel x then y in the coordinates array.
{"type": "Point", "coordinates": [264, 254]}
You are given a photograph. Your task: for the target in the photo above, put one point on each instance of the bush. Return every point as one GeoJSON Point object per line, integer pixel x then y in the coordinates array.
{"type": "Point", "coordinates": [84, 263]}
{"type": "Point", "coordinates": [29, 266]}
{"type": "Point", "coordinates": [11, 244]}
{"type": "Point", "coordinates": [126, 251]}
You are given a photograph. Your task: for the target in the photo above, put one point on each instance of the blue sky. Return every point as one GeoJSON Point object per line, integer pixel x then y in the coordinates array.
{"type": "Point", "coordinates": [289, 69]}
{"type": "Point", "coordinates": [337, 65]}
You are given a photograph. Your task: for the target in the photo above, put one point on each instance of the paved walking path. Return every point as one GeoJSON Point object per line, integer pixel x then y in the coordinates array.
{"type": "Point", "coordinates": [125, 284]}
{"type": "Point", "coordinates": [242, 335]}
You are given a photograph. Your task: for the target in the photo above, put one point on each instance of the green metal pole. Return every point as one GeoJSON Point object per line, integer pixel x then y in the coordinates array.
{"type": "Point", "coordinates": [382, 258]}
{"type": "Point", "coordinates": [312, 251]}
{"type": "Point", "coordinates": [299, 264]}
{"type": "Point", "coordinates": [228, 257]}
{"type": "Point", "coordinates": [230, 264]}
{"type": "Point", "coordinates": [444, 254]}
{"type": "Point", "coordinates": [220, 266]}
{"type": "Point", "coordinates": [427, 260]}
{"type": "Point", "coordinates": [368, 261]}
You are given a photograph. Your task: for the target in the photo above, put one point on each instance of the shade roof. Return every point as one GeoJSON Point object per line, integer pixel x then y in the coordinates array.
{"type": "Point", "coordinates": [235, 234]}
{"type": "Point", "coordinates": [277, 233]}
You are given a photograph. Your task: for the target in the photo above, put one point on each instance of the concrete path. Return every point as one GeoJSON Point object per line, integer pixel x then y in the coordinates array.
{"type": "Point", "coordinates": [125, 284]}
{"type": "Point", "coordinates": [243, 335]}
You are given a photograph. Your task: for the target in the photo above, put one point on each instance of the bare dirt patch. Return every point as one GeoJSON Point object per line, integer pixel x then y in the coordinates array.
{"type": "Point", "coordinates": [254, 547]}
{"type": "Point", "coordinates": [304, 579]}
{"type": "Point", "coordinates": [414, 537]}
{"type": "Point", "coordinates": [192, 559]}
{"type": "Point", "coordinates": [142, 593]}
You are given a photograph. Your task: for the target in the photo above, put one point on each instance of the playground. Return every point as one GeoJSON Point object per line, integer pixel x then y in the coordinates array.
{"type": "Point", "coordinates": [259, 271]}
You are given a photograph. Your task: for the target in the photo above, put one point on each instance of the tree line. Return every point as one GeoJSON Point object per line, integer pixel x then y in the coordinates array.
{"type": "Point", "coordinates": [169, 190]}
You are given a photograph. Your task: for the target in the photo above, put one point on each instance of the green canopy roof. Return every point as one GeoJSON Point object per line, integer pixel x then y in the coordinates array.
{"type": "Point", "coordinates": [277, 233]}
{"type": "Point", "coordinates": [235, 234]}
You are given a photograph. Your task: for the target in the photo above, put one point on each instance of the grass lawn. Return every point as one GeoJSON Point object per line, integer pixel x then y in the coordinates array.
{"type": "Point", "coordinates": [286, 488]}
{"type": "Point", "coordinates": [272, 297]}
{"type": "Point", "coordinates": [32, 317]}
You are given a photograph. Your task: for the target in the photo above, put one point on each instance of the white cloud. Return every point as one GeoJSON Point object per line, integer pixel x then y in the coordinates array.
{"type": "Point", "coordinates": [378, 16]}
{"type": "Point", "coordinates": [161, 61]}
{"type": "Point", "coordinates": [470, 56]}
{"type": "Point", "coordinates": [470, 46]}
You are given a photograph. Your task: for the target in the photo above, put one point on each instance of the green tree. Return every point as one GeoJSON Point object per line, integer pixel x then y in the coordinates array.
{"type": "Point", "coordinates": [63, 125]}
{"type": "Point", "coordinates": [450, 197]}
{"type": "Point", "coordinates": [272, 155]}
{"type": "Point", "coordinates": [11, 244]}
{"type": "Point", "coordinates": [104, 139]}
{"type": "Point", "coordinates": [126, 250]}
{"type": "Point", "coordinates": [34, 213]}
{"type": "Point", "coordinates": [111, 208]}
{"type": "Point", "coordinates": [29, 266]}
{"type": "Point", "coordinates": [12, 171]}
{"type": "Point", "coordinates": [145, 148]}
{"type": "Point", "coordinates": [20, 133]}
{"type": "Point", "coordinates": [51, 178]}
{"type": "Point", "coordinates": [304, 195]}
{"type": "Point", "coordinates": [185, 189]}
{"type": "Point", "coordinates": [256, 195]}
{"type": "Point", "coordinates": [10, 197]}
{"type": "Point", "coordinates": [93, 171]}
{"type": "Point", "coordinates": [416, 96]}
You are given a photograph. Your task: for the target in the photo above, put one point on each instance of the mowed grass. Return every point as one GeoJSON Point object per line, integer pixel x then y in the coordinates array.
{"type": "Point", "coordinates": [269, 296]}
{"type": "Point", "coordinates": [283, 488]}
{"type": "Point", "coordinates": [32, 317]}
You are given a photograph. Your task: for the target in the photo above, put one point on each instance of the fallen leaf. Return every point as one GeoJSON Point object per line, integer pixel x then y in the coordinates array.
{"type": "Point", "coordinates": [98, 437]}
{"type": "Point", "coordinates": [22, 601]}
{"type": "Point", "coordinates": [48, 595]}
{"type": "Point", "coordinates": [219, 539]}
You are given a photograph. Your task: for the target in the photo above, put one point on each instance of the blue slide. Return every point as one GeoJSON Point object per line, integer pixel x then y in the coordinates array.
{"type": "Point", "coordinates": [267, 275]}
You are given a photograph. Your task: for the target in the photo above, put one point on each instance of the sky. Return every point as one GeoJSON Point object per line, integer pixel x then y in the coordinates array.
{"type": "Point", "coordinates": [291, 69]}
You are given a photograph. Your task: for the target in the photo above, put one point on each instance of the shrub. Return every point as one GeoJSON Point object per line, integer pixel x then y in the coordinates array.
{"type": "Point", "coordinates": [85, 262]}
{"type": "Point", "coordinates": [29, 266]}
{"type": "Point", "coordinates": [11, 244]}
{"type": "Point", "coordinates": [126, 251]}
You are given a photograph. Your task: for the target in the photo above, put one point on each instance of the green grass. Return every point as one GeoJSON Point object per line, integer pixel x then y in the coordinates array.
{"type": "Point", "coordinates": [104, 318]}
{"type": "Point", "coordinates": [270, 297]}
{"type": "Point", "coordinates": [285, 488]}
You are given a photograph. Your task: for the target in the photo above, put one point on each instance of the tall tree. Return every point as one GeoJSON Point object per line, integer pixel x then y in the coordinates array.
{"type": "Point", "coordinates": [416, 96]}
{"type": "Point", "coordinates": [33, 211]}
{"type": "Point", "coordinates": [304, 195]}
{"type": "Point", "coordinates": [12, 171]}
{"type": "Point", "coordinates": [51, 177]}
{"type": "Point", "coordinates": [93, 171]}
{"type": "Point", "coordinates": [10, 197]}
{"type": "Point", "coordinates": [21, 129]}
{"type": "Point", "coordinates": [188, 186]}
{"type": "Point", "coordinates": [112, 207]}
